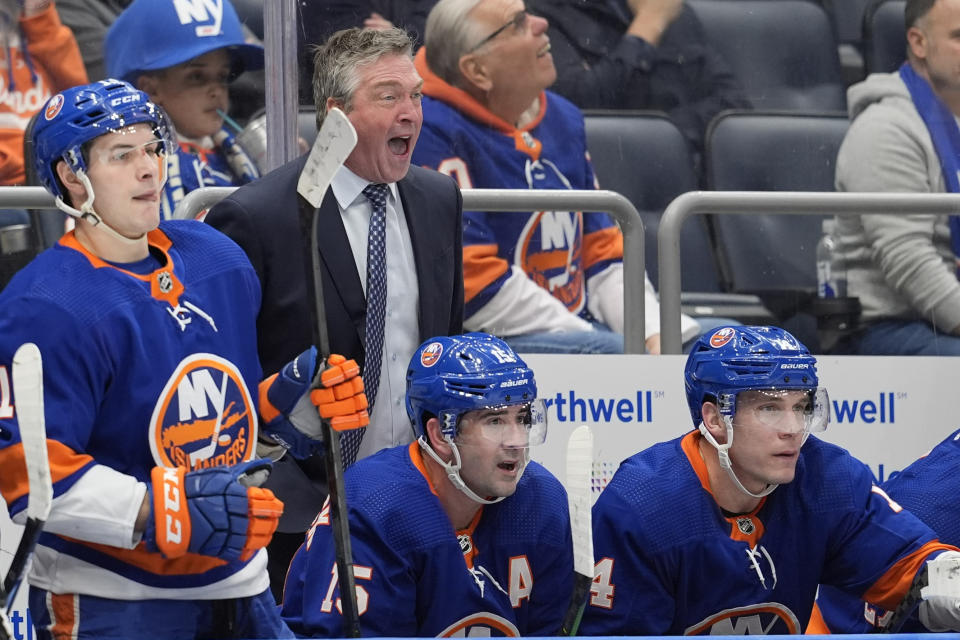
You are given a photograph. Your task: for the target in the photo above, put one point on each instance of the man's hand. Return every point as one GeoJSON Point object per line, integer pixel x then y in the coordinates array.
{"type": "Point", "coordinates": [292, 416]}
{"type": "Point", "coordinates": [211, 512]}
{"type": "Point", "coordinates": [940, 609]}
{"type": "Point", "coordinates": [652, 17]}
{"type": "Point", "coordinates": [377, 21]}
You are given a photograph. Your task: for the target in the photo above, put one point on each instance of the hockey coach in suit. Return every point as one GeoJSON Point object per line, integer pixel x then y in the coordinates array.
{"type": "Point", "coordinates": [370, 76]}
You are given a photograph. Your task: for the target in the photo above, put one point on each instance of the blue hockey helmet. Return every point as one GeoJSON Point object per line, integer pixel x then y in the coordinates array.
{"type": "Point", "coordinates": [76, 116]}
{"type": "Point", "coordinates": [729, 360]}
{"type": "Point", "coordinates": [157, 34]}
{"type": "Point", "coordinates": [449, 376]}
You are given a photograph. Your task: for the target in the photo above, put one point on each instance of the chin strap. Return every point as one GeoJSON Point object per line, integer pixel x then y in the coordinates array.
{"type": "Point", "coordinates": [453, 471]}
{"type": "Point", "coordinates": [87, 213]}
{"type": "Point", "coordinates": [723, 453]}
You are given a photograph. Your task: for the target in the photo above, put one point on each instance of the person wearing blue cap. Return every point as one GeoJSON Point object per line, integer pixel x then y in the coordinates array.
{"type": "Point", "coordinates": [186, 71]}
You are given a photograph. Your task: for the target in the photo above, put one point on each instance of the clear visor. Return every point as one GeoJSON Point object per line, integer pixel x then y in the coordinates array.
{"type": "Point", "coordinates": [514, 426]}
{"type": "Point", "coordinates": [130, 153]}
{"type": "Point", "coordinates": [785, 410]}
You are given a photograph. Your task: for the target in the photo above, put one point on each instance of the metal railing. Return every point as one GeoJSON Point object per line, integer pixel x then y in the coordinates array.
{"type": "Point", "coordinates": [519, 200]}
{"type": "Point", "coordinates": [25, 198]}
{"type": "Point", "coordinates": [767, 203]}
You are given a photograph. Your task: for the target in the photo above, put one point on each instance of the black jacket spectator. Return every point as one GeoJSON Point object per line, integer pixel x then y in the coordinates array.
{"type": "Point", "coordinates": [600, 67]}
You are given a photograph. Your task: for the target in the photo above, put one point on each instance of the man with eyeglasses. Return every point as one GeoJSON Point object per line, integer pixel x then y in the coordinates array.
{"type": "Point", "coordinates": [546, 282]}
{"type": "Point", "coordinates": [730, 528]}
{"type": "Point", "coordinates": [458, 533]}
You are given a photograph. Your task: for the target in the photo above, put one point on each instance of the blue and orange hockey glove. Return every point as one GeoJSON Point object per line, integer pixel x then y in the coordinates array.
{"type": "Point", "coordinates": [211, 512]}
{"type": "Point", "coordinates": [293, 403]}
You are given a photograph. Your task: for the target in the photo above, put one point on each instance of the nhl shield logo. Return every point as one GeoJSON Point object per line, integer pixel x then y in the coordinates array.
{"type": "Point", "coordinates": [164, 281]}
{"type": "Point", "coordinates": [466, 543]}
{"type": "Point", "coordinates": [746, 526]}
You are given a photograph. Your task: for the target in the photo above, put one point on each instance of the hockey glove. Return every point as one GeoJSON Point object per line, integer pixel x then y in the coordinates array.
{"type": "Point", "coordinates": [211, 512]}
{"type": "Point", "coordinates": [293, 413]}
{"type": "Point", "coordinates": [940, 609]}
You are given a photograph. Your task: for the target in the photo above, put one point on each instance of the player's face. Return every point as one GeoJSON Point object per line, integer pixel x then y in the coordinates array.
{"type": "Point", "coordinates": [768, 431]}
{"type": "Point", "coordinates": [938, 44]}
{"type": "Point", "coordinates": [385, 111]}
{"type": "Point", "coordinates": [518, 58]}
{"type": "Point", "coordinates": [192, 92]}
{"type": "Point", "coordinates": [493, 447]}
{"type": "Point", "coordinates": [125, 169]}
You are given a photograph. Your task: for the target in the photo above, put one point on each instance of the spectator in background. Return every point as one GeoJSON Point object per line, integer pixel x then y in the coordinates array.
{"type": "Point", "coordinates": [39, 58]}
{"type": "Point", "coordinates": [89, 21]}
{"type": "Point", "coordinates": [545, 282]}
{"type": "Point", "coordinates": [904, 138]}
{"type": "Point", "coordinates": [319, 19]}
{"type": "Point", "coordinates": [639, 54]}
{"type": "Point", "coordinates": [187, 72]}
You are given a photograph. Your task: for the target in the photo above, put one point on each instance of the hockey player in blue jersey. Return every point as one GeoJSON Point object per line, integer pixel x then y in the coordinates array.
{"type": "Point", "coordinates": [147, 332]}
{"type": "Point", "coordinates": [458, 533]}
{"type": "Point", "coordinates": [730, 528]}
{"type": "Point", "coordinates": [928, 488]}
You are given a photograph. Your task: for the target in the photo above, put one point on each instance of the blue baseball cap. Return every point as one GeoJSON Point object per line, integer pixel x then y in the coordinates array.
{"type": "Point", "coordinates": [151, 35]}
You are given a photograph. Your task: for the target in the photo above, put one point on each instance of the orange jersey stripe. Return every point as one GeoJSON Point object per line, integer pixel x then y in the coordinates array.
{"type": "Point", "coordinates": [889, 590]}
{"type": "Point", "coordinates": [267, 410]}
{"type": "Point", "coordinates": [605, 244]}
{"type": "Point", "coordinates": [817, 625]}
{"type": "Point", "coordinates": [64, 614]}
{"type": "Point", "coordinates": [481, 266]}
{"type": "Point", "coordinates": [139, 557]}
{"type": "Point", "coordinates": [64, 462]}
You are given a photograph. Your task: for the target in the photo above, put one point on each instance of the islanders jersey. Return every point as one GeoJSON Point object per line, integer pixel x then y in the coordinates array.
{"type": "Point", "coordinates": [509, 573]}
{"type": "Point", "coordinates": [670, 562]}
{"type": "Point", "coordinates": [144, 365]}
{"type": "Point", "coordinates": [558, 250]}
{"type": "Point", "coordinates": [195, 166]}
{"type": "Point", "coordinates": [928, 488]}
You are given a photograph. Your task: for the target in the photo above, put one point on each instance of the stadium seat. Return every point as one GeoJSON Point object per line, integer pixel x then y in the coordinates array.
{"type": "Point", "coordinates": [784, 53]}
{"type": "Point", "coordinates": [772, 256]}
{"type": "Point", "coordinates": [885, 41]}
{"type": "Point", "coordinates": [644, 156]}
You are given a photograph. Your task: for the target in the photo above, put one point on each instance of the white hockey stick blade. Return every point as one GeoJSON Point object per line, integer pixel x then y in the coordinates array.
{"type": "Point", "coordinates": [579, 472]}
{"type": "Point", "coordinates": [334, 143]}
{"type": "Point", "coordinates": [28, 399]}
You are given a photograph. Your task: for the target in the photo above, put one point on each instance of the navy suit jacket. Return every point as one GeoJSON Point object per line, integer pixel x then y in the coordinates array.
{"type": "Point", "coordinates": [271, 222]}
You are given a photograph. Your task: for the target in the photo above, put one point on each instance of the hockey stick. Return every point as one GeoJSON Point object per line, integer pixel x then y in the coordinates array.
{"type": "Point", "coordinates": [579, 467]}
{"type": "Point", "coordinates": [335, 141]}
{"type": "Point", "coordinates": [28, 398]}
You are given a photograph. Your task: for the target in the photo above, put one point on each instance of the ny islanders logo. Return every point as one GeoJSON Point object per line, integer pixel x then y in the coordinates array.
{"type": "Point", "coordinates": [204, 417]}
{"type": "Point", "coordinates": [200, 11]}
{"type": "Point", "coordinates": [549, 251]}
{"type": "Point", "coordinates": [56, 103]}
{"type": "Point", "coordinates": [431, 354]}
{"type": "Point", "coordinates": [762, 619]}
{"type": "Point", "coordinates": [722, 337]}
{"type": "Point", "coordinates": [484, 625]}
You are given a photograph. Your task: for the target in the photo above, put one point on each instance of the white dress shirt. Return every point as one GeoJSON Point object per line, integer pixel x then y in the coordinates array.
{"type": "Point", "coordinates": [389, 424]}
